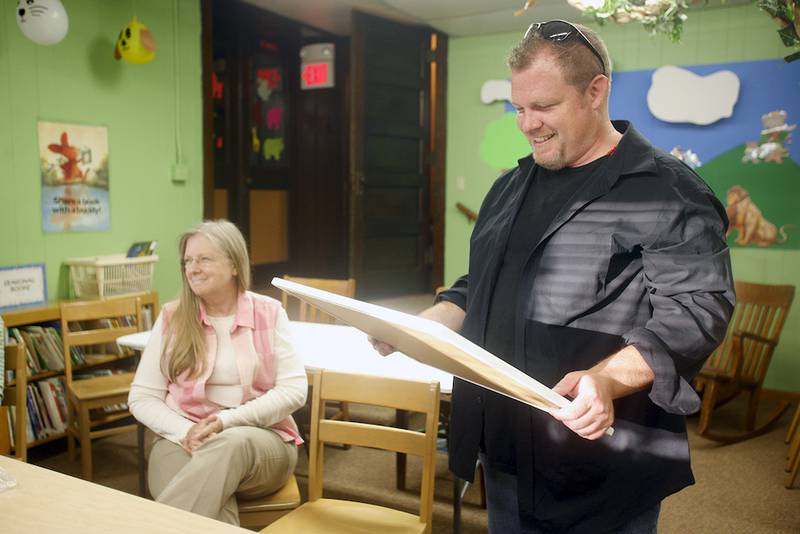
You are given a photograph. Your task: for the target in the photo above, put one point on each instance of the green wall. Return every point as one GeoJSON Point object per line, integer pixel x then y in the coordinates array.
{"type": "Point", "coordinates": [711, 36]}
{"type": "Point", "coordinates": [78, 81]}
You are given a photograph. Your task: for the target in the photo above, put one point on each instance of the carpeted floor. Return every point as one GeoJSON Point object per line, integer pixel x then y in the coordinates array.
{"type": "Point", "coordinates": [739, 489]}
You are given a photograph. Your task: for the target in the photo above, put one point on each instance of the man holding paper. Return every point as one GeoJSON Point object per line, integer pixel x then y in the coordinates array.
{"type": "Point", "coordinates": [599, 267]}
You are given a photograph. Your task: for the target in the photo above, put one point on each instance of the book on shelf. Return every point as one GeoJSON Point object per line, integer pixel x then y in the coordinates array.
{"type": "Point", "coordinates": [47, 408]}
{"type": "Point", "coordinates": [53, 413]}
{"type": "Point", "coordinates": [142, 248]}
{"type": "Point", "coordinates": [45, 347]}
{"type": "Point", "coordinates": [12, 426]}
{"type": "Point", "coordinates": [11, 414]}
{"type": "Point", "coordinates": [48, 428]}
{"type": "Point", "coordinates": [30, 358]}
{"type": "Point", "coordinates": [33, 416]}
{"type": "Point", "coordinates": [147, 317]}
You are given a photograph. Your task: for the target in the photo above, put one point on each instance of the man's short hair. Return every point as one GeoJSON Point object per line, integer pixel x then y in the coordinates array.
{"type": "Point", "coordinates": [578, 63]}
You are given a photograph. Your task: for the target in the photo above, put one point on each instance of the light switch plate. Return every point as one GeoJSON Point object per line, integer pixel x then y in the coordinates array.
{"type": "Point", "coordinates": [180, 173]}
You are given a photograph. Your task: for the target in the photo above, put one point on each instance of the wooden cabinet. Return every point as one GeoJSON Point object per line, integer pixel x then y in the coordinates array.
{"type": "Point", "coordinates": [43, 385]}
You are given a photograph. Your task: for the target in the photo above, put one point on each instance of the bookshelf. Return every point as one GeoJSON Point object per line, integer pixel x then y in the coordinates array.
{"type": "Point", "coordinates": [45, 398]}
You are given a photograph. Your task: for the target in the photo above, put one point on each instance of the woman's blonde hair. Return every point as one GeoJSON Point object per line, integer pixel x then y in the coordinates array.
{"type": "Point", "coordinates": [184, 340]}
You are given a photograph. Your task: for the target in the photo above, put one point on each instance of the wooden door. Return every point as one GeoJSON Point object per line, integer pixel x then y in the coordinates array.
{"type": "Point", "coordinates": [276, 162]}
{"type": "Point", "coordinates": [253, 99]}
{"type": "Point", "coordinates": [390, 244]}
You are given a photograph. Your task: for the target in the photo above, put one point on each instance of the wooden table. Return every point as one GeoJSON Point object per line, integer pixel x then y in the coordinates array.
{"type": "Point", "coordinates": [48, 501]}
{"type": "Point", "coordinates": [340, 348]}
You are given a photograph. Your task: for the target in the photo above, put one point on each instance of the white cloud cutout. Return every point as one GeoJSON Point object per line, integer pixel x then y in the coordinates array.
{"type": "Point", "coordinates": [494, 90]}
{"type": "Point", "coordinates": [679, 95]}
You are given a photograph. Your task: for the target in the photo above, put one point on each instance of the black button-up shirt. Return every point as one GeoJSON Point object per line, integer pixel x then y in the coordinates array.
{"type": "Point", "coordinates": [637, 256]}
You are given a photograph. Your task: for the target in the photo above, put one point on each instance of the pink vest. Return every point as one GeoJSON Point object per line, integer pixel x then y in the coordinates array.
{"type": "Point", "coordinates": [256, 316]}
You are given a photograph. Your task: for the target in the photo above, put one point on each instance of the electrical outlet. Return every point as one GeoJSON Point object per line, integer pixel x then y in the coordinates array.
{"type": "Point", "coordinates": [460, 183]}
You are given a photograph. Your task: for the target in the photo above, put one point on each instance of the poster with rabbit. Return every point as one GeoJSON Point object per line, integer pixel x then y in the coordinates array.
{"type": "Point", "coordinates": [73, 162]}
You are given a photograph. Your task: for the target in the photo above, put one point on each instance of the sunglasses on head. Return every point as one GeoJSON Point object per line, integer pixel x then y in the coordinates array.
{"type": "Point", "coordinates": [561, 30]}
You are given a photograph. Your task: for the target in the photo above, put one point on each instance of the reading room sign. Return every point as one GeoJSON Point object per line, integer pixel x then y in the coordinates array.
{"type": "Point", "coordinates": [22, 285]}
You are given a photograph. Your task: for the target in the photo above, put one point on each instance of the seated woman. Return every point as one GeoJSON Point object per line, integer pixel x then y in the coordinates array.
{"type": "Point", "coordinates": [217, 383]}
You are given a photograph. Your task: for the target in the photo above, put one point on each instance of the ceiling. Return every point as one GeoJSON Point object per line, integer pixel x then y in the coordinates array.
{"type": "Point", "coordinates": [456, 18]}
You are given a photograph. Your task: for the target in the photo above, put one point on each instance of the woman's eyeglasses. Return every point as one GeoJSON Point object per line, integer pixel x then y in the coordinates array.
{"type": "Point", "coordinates": [561, 30]}
{"type": "Point", "coordinates": [202, 261]}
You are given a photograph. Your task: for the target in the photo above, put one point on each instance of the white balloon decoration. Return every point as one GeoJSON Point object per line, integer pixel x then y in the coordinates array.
{"type": "Point", "coordinates": [42, 21]}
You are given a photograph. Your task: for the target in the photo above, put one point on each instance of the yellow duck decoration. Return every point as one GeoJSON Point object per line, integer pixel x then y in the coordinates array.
{"type": "Point", "coordinates": [135, 43]}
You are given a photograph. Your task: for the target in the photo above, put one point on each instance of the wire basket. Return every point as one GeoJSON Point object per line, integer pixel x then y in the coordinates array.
{"type": "Point", "coordinates": [103, 276]}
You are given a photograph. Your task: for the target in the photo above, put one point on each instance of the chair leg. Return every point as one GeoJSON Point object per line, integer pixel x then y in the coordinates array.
{"type": "Point", "coordinates": [72, 418]}
{"type": "Point", "coordinates": [794, 425]}
{"type": "Point", "coordinates": [401, 421]}
{"type": "Point", "coordinates": [70, 446]}
{"type": "Point", "coordinates": [794, 462]}
{"type": "Point", "coordinates": [84, 427]}
{"type": "Point", "coordinates": [140, 457]}
{"type": "Point", "coordinates": [752, 409]}
{"type": "Point", "coordinates": [794, 452]}
{"type": "Point", "coordinates": [709, 403]}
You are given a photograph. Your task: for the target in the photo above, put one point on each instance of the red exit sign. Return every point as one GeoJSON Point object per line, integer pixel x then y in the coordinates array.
{"type": "Point", "coordinates": [315, 75]}
{"type": "Point", "coordinates": [316, 65]}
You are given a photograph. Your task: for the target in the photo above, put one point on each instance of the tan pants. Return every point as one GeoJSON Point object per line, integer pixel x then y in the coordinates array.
{"type": "Point", "coordinates": [243, 460]}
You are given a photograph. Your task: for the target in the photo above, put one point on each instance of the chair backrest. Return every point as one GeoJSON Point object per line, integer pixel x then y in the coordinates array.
{"type": "Point", "coordinates": [308, 313]}
{"type": "Point", "coordinates": [754, 330]}
{"type": "Point", "coordinates": [101, 323]}
{"type": "Point", "coordinates": [15, 396]}
{"type": "Point", "coordinates": [410, 395]}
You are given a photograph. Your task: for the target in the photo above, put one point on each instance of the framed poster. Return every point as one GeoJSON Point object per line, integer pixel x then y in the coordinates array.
{"type": "Point", "coordinates": [73, 161]}
{"type": "Point", "coordinates": [22, 285]}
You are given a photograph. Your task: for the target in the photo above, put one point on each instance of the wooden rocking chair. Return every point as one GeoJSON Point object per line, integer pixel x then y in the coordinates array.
{"type": "Point", "coordinates": [740, 363]}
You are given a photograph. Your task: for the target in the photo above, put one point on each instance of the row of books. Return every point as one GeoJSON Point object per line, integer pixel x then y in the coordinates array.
{"type": "Point", "coordinates": [47, 407]}
{"type": "Point", "coordinates": [47, 410]}
{"type": "Point", "coordinates": [44, 348]}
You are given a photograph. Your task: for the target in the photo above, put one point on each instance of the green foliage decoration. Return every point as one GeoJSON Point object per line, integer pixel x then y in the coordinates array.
{"type": "Point", "coordinates": [787, 14]}
{"type": "Point", "coordinates": [664, 17]}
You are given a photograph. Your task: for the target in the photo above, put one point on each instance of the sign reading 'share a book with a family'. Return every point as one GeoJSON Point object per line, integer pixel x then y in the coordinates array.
{"type": "Point", "coordinates": [73, 161]}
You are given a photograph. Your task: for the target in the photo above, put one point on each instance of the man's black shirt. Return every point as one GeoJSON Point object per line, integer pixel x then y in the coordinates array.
{"type": "Point", "coordinates": [548, 191]}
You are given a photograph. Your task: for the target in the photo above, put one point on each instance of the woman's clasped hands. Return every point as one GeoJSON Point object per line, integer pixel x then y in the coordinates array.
{"type": "Point", "coordinates": [201, 432]}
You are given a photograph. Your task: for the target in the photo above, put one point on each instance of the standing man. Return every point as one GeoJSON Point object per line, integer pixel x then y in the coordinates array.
{"type": "Point", "coordinates": [599, 267]}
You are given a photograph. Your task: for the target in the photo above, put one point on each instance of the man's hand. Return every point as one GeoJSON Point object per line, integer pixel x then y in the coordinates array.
{"type": "Point", "coordinates": [592, 410]}
{"type": "Point", "coordinates": [444, 312]}
{"type": "Point", "coordinates": [384, 349]}
{"type": "Point", "coordinates": [201, 432]}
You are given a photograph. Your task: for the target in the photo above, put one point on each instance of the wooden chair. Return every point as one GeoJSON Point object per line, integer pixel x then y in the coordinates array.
{"type": "Point", "coordinates": [266, 510]}
{"type": "Point", "coordinates": [101, 391]}
{"type": "Point", "coordinates": [307, 312]}
{"type": "Point", "coordinates": [740, 363]}
{"type": "Point", "coordinates": [334, 516]}
{"type": "Point", "coordinates": [793, 439]}
{"type": "Point", "coordinates": [15, 395]}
